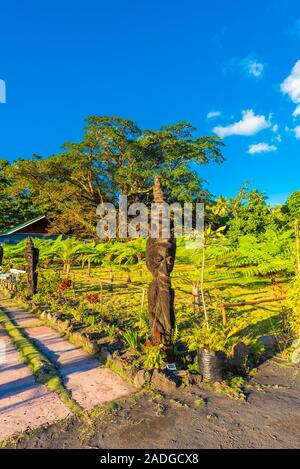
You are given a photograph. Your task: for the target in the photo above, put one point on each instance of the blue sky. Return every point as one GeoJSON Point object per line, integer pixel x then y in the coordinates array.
{"type": "Point", "coordinates": [229, 68]}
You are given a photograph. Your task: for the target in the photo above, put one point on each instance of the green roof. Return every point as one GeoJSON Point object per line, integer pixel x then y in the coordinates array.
{"type": "Point", "coordinates": [12, 230]}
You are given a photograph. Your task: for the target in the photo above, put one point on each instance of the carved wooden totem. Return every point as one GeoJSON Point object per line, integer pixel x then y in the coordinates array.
{"type": "Point", "coordinates": [31, 258]}
{"type": "Point", "coordinates": [160, 258]}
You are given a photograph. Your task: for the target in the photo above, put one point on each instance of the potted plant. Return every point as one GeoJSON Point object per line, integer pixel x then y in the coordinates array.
{"type": "Point", "coordinates": [211, 345]}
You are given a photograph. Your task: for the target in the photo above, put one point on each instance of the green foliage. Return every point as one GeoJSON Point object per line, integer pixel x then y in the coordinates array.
{"type": "Point", "coordinates": [111, 330]}
{"type": "Point", "coordinates": [70, 251]}
{"type": "Point", "coordinates": [193, 366]}
{"type": "Point", "coordinates": [242, 269]}
{"type": "Point", "coordinates": [131, 338]}
{"type": "Point", "coordinates": [250, 217]}
{"type": "Point", "coordinates": [13, 210]}
{"type": "Point", "coordinates": [66, 252]}
{"type": "Point", "coordinates": [215, 338]}
{"type": "Point", "coordinates": [48, 281]}
{"type": "Point", "coordinates": [140, 321]}
{"type": "Point", "coordinates": [234, 387]}
{"type": "Point", "coordinates": [90, 321]}
{"type": "Point", "coordinates": [292, 312]}
{"type": "Point", "coordinates": [272, 253]}
{"type": "Point", "coordinates": [293, 206]}
{"type": "Point", "coordinates": [155, 356]}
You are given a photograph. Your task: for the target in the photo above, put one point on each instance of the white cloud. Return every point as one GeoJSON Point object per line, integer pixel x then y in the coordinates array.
{"type": "Point", "coordinates": [254, 68]}
{"type": "Point", "coordinates": [250, 66]}
{"type": "Point", "coordinates": [212, 114]}
{"type": "Point", "coordinates": [261, 148]}
{"type": "Point", "coordinates": [291, 87]}
{"type": "Point", "coordinates": [296, 131]}
{"type": "Point", "coordinates": [250, 124]}
{"type": "Point", "coordinates": [296, 113]}
{"type": "Point", "coordinates": [275, 128]}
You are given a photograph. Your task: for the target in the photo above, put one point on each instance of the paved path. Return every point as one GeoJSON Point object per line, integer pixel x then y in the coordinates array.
{"type": "Point", "coordinates": [88, 382]}
{"type": "Point", "coordinates": [24, 403]}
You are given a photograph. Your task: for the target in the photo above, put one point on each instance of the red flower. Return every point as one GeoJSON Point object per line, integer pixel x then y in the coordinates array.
{"type": "Point", "coordinates": [63, 285]}
{"type": "Point", "coordinates": [92, 297]}
{"type": "Point", "coordinates": [148, 344]}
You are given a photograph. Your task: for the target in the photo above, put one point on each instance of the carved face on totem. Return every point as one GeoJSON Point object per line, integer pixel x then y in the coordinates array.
{"type": "Point", "coordinates": [160, 256]}
{"type": "Point", "coordinates": [31, 256]}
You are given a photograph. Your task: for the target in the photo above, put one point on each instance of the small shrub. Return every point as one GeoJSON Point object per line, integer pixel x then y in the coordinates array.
{"type": "Point", "coordinates": [131, 338]}
{"type": "Point", "coordinates": [48, 281]}
{"type": "Point", "coordinates": [111, 330]}
{"type": "Point", "coordinates": [155, 355]}
{"type": "Point", "coordinates": [90, 321]}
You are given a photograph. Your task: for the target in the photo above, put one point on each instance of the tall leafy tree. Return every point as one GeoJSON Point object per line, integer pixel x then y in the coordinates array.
{"type": "Point", "coordinates": [293, 206]}
{"type": "Point", "coordinates": [115, 157]}
{"type": "Point", "coordinates": [13, 210]}
{"type": "Point", "coordinates": [251, 216]}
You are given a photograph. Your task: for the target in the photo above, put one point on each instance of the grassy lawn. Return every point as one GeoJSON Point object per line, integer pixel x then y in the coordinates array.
{"type": "Point", "coordinates": [124, 304]}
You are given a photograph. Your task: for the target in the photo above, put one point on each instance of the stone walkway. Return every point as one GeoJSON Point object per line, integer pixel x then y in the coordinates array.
{"type": "Point", "coordinates": [27, 404]}
{"type": "Point", "coordinates": [24, 403]}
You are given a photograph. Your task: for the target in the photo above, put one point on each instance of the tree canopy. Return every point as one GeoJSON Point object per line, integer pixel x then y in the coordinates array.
{"type": "Point", "coordinates": [293, 206]}
{"type": "Point", "coordinates": [13, 210]}
{"type": "Point", "coordinates": [114, 157]}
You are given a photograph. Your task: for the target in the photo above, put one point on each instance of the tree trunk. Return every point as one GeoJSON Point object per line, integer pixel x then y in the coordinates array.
{"type": "Point", "coordinates": [297, 247]}
{"type": "Point", "coordinates": [202, 289]}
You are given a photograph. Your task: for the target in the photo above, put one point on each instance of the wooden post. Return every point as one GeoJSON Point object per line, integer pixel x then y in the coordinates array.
{"type": "Point", "coordinates": [101, 295]}
{"type": "Point", "coordinates": [224, 316]}
{"type": "Point", "coordinates": [143, 300]}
